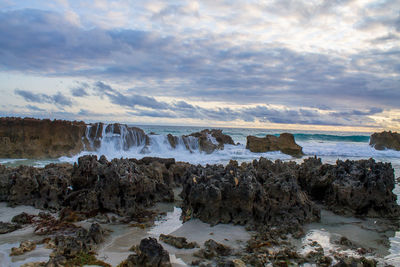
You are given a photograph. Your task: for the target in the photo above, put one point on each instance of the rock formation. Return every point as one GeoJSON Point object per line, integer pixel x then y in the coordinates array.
{"type": "Point", "coordinates": [284, 143]}
{"type": "Point", "coordinates": [261, 193]}
{"type": "Point", "coordinates": [33, 138]}
{"type": "Point", "coordinates": [385, 140]}
{"type": "Point", "coordinates": [363, 187]}
{"type": "Point", "coordinates": [206, 141]}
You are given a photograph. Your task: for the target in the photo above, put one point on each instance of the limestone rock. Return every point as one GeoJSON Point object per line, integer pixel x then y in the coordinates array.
{"type": "Point", "coordinates": [261, 193]}
{"type": "Point", "coordinates": [363, 188]}
{"type": "Point", "coordinates": [385, 140]}
{"type": "Point", "coordinates": [33, 138]}
{"type": "Point", "coordinates": [284, 143]}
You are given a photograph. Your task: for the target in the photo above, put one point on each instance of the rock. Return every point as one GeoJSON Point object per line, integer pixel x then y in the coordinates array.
{"type": "Point", "coordinates": [217, 248]}
{"type": "Point", "coordinates": [22, 218]}
{"type": "Point", "coordinates": [25, 246]}
{"type": "Point", "coordinates": [284, 143]}
{"type": "Point", "coordinates": [178, 242]}
{"type": "Point", "coordinates": [385, 140]}
{"type": "Point", "coordinates": [362, 188]}
{"type": "Point", "coordinates": [262, 193]}
{"type": "Point", "coordinates": [85, 241]}
{"type": "Point", "coordinates": [149, 253]}
{"type": "Point", "coordinates": [120, 186]}
{"type": "Point", "coordinates": [211, 140]}
{"type": "Point", "coordinates": [8, 227]}
{"type": "Point", "coordinates": [34, 264]}
{"type": "Point", "coordinates": [34, 138]}
{"type": "Point", "coordinates": [235, 263]}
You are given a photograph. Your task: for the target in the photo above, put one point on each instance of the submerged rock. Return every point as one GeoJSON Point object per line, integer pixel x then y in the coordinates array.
{"type": "Point", "coordinates": [385, 140]}
{"type": "Point", "coordinates": [284, 143]}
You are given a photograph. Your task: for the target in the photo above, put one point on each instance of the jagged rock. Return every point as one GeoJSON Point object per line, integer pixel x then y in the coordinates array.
{"type": "Point", "coordinates": [212, 140]}
{"type": "Point", "coordinates": [42, 188]}
{"type": "Point", "coordinates": [8, 227]}
{"type": "Point", "coordinates": [284, 143]}
{"type": "Point", "coordinates": [120, 186]}
{"type": "Point", "coordinates": [22, 218]}
{"type": "Point", "coordinates": [361, 187]}
{"type": "Point", "coordinates": [178, 242]}
{"type": "Point", "coordinates": [25, 246]}
{"type": "Point", "coordinates": [385, 140]}
{"type": "Point", "coordinates": [263, 192]}
{"type": "Point", "coordinates": [84, 241]}
{"type": "Point", "coordinates": [149, 254]}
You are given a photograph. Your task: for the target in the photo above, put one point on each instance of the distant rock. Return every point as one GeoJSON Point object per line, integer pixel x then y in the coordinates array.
{"type": "Point", "coordinates": [210, 140]}
{"type": "Point", "coordinates": [284, 143]}
{"type": "Point", "coordinates": [206, 141]}
{"type": "Point", "coordinates": [385, 140]}
{"type": "Point", "coordinates": [34, 138]}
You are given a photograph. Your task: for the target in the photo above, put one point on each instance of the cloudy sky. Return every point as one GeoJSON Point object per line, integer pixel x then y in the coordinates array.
{"type": "Point", "coordinates": [306, 64]}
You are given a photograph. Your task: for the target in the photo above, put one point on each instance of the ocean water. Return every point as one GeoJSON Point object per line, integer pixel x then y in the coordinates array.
{"type": "Point", "coordinates": [329, 146]}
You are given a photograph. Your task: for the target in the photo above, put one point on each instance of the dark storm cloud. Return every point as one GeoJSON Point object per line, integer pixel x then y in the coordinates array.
{"type": "Point", "coordinates": [58, 98]}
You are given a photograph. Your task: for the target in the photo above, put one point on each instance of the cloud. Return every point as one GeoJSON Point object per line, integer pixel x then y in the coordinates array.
{"type": "Point", "coordinates": [34, 108]}
{"type": "Point", "coordinates": [58, 98]}
{"type": "Point", "coordinates": [128, 100]}
{"type": "Point", "coordinates": [80, 90]}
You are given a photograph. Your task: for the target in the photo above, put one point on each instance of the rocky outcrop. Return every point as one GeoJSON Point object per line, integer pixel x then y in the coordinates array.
{"type": "Point", "coordinates": [385, 140]}
{"type": "Point", "coordinates": [260, 193]}
{"type": "Point", "coordinates": [34, 138]}
{"type": "Point", "coordinates": [363, 187]}
{"type": "Point", "coordinates": [148, 254]}
{"type": "Point", "coordinates": [206, 141]}
{"type": "Point", "coordinates": [128, 136]}
{"type": "Point", "coordinates": [121, 186]}
{"type": "Point", "coordinates": [210, 140]}
{"type": "Point", "coordinates": [284, 143]}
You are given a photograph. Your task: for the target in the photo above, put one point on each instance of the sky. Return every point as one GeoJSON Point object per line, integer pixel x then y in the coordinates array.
{"type": "Point", "coordinates": [304, 64]}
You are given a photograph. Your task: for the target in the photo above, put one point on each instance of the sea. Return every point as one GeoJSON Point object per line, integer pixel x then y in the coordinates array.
{"type": "Point", "coordinates": [330, 146]}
